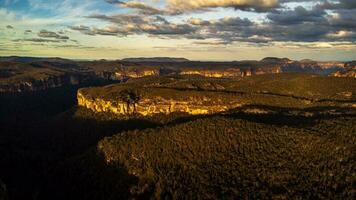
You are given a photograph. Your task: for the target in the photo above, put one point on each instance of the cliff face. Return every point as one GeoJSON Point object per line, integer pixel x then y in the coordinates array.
{"type": "Point", "coordinates": [345, 73]}
{"type": "Point", "coordinates": [348, 71]}
{"type": "Point", "coordinates": [215, 73]}
{"type": "Point", "coordinates": [122, 74]}
{"type": "Point", "coordinates": [32, 85]}
{"type": "Point", "coordinates": [194, 105]}
{"type": "Point", "coordinates": [309, 66]}
{"type": "Point", "coordinates": [232, 72]}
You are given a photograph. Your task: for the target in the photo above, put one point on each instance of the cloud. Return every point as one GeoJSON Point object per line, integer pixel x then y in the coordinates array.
{"type": "Point", "coordinates": [143, 8]}
{"type": "Point", "coordinates": [216, 42]}
{"type": "Point", "coordinates": [9, 27]}
{"type": "Point", "coordinates": [114, 1]}
{"type": "Point", "coordinates": [194, 5]}
{"type": "Point", "coordinates": [39, 40]}
{"type": "Point", "coordinates": [342, 4]}
{"type": "Point", "coordinates": [297, 16]}
{"type": "Point", "coordinates": [283, 21]}
{"type": "Point", "coordinates": [27, 32]}
{"type": "Point", "coordinates": [345, 19]}
{"type": "Point", "coordinates": [129, 24]}
{"type": "Point", "coordinates": [281, 24]}
{"type": "Point", "coordinates": [51, 34]}
{"type": "Point", "coordinates": [80, 28]}
{"type": "Point", "coordinates": [177, 7]}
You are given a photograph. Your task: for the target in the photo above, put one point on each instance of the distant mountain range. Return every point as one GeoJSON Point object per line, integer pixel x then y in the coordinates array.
{"type": "Point", "coordinates": [18, 74]}
{"type": "Point", "coordinates": [33, 59]}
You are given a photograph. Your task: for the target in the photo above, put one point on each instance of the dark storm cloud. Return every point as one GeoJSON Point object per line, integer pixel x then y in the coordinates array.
{"type": "Point", "coordinates": [297, 16]}
{"type": "Point", "coordinates": [9, 27]}
{"type": "Point", "coordinates": [344, 19]}
{"type": "Point", "coordinates": [342, 4]}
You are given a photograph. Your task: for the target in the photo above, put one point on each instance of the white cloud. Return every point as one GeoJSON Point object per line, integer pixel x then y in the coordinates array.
{"type": "Point", "coordinates": [191, 5]}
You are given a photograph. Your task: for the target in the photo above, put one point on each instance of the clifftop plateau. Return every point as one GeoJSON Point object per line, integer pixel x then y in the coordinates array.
{"type": "Point", "coordinates": [197, 95]}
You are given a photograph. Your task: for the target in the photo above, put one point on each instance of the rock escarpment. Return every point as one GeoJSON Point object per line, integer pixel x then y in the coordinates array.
{"type": "Point", "coordinates": [348, 71]}
{"type": "Point", "coordinates": [231, 72]}
{"type": "Point", "coordinates": [314, 67]}
{"type": "Point", "coordinates": [150, 101]}
{"type": "Point", "coordinates": [45, 83]}
{"type": "Point", "coordinates": [201, 95]}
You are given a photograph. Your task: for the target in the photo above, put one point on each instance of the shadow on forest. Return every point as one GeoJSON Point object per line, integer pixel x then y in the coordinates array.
{"type": "Point", "coordinates": [276, 115]}
{"type": "Point", "coordinates": [85, 175]}
{"type": "Point", "coordinates": [37, 144]}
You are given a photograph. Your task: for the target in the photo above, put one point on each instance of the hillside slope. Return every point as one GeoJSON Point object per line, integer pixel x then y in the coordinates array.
{"type": "Point", "coordinates": [229, 158]}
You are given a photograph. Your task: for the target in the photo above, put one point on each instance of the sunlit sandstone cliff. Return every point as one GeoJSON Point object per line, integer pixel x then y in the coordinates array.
{"type": "Point", "coordinates": [158, 100]}
{"type": "Point", "coordinates": [348, 71]}
{"type": "Point", "coordinates": [232, 72]}
{"type": "Point", "coordinates": [136, 73]}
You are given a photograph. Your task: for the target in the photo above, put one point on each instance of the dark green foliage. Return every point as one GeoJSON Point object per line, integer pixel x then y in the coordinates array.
{"type": "Point", "coordinates": [228, 158]}
{"type": "Point", "coordinates": [130, 96]}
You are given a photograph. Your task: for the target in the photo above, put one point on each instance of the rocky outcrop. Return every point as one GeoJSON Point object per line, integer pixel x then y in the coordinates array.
{"type": "Point", "coordinates": [345, 73]}
{"type": "Point", "coordinates": [309, 66]}
{"type": "Point", "coordinates": [216, 73]}
{"type": "Point", "coordinates": [165, 101]}
{"type": "Point", "coordinates": [231, 72]}
{"type": "Point", "coordinates": [122, 74]}
{"type": "Point", "coordinates": [348, 71]}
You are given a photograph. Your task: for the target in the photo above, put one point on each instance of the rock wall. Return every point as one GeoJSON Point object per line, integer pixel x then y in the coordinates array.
{"type": "Point", "coordinates": [42, 84]}
{"type": "Point", "coordinates": [137, 73]}
{"type": "Point", "coordinates": [348, 73]}
{"type": "Point", "coordinates": [146, 106]}
{"type": "Point", "coordinates": [233, 72]}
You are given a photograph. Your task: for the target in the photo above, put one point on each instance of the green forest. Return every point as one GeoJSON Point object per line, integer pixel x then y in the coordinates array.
{"type": "Point", "coordinates": [291, 150]}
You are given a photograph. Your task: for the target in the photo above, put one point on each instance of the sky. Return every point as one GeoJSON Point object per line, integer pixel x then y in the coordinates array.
{"type": "Point", "coordinates": [211, 30]}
